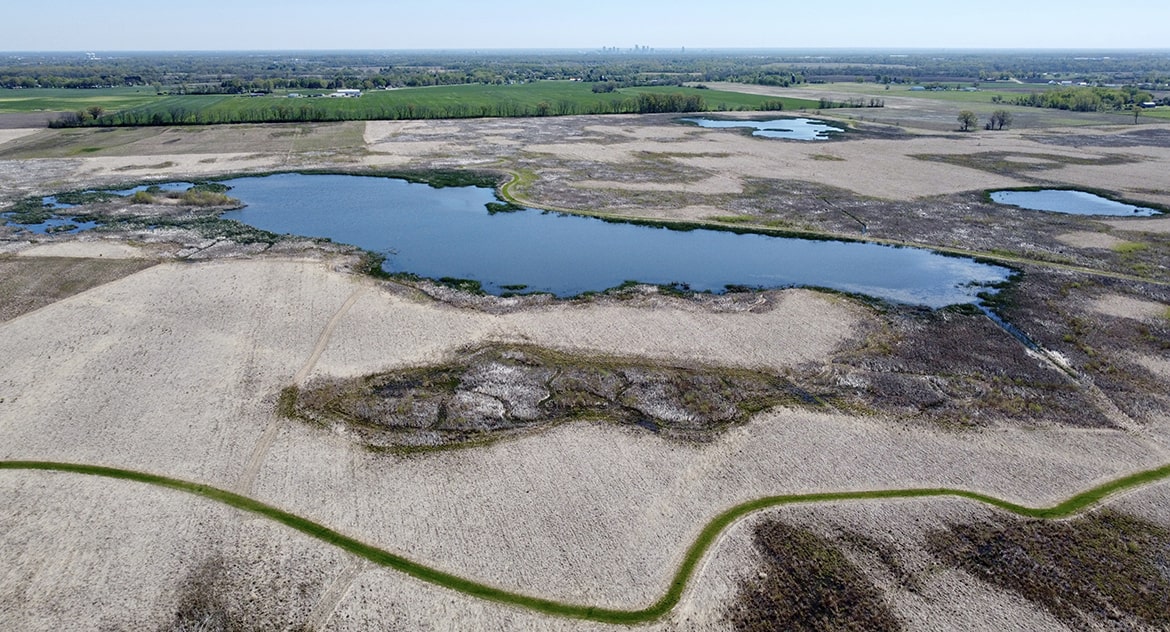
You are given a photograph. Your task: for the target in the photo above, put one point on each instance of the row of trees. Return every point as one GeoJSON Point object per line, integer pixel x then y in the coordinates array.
{"type": "Point", "coordinates": [852, 102]}
{"type": "Point", "coordinates": [648, 103]}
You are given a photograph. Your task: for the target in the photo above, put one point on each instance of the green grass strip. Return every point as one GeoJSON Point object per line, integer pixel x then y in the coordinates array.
{"type": "Point", "coordinates": [664, 604]}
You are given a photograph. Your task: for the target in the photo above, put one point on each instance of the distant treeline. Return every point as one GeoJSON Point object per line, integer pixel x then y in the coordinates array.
{"type": "Point", "coordinates": [233, 73]}
{"type": "Point", "coordinates": [649, 103]}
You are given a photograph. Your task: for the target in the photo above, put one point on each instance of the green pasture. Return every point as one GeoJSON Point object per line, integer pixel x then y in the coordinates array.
{"type": "Point", "coordinates": [71, 100]}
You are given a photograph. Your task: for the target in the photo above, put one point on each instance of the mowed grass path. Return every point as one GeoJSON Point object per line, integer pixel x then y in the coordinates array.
{"type": "Point", "coordinates": [682, 576]}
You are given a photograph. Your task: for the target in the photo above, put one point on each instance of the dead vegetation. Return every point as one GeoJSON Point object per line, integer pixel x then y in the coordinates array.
{"type": "Point", "coordinates": [498, 391]}
{"type": "Point", "coordinates": [1022, 165]}
{"type": "Point", "coordinates": [29, 283]}
{"type": "Point", "coordinates": [955, 368]}
{"type": "Point", "coordinates": [1105, 568]}
{"type": "Point", "coordinates": [805, 582]}
{"type": "Point", "coordinates": [1056, 308]}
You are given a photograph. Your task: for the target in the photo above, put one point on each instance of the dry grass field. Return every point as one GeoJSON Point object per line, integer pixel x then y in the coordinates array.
{"type": "Point", "coordinates": [163, 351]}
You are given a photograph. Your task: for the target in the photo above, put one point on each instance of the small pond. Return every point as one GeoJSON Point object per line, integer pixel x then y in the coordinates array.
{"type": "Point", "coordinates": [449, 232]}
{"type": "Point", "coordinates": [1070, 203]}
{"type": "Point", "coordinates": [790, 128]}
{"type": "Point", "coordinates": [54, 225]}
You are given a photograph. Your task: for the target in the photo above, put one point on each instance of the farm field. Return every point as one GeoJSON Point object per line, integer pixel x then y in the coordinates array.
{"type": "Point", "coordinates": [168, 351]}
{"type": "Point", "coordinates": [71, 100]}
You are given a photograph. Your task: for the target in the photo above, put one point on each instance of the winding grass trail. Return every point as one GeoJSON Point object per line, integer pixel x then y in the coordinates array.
{"type": "Point", "coordinates": [682, 576]}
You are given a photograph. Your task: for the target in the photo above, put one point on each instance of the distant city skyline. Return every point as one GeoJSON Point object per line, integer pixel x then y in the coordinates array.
{"type": "Point", "coordinates": [137, 25]}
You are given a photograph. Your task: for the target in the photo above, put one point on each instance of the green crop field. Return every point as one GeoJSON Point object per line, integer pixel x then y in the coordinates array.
{"type": "Point", "coordinates": [543, 98]}
{"type": "Point", "coordinates": [70, 100]}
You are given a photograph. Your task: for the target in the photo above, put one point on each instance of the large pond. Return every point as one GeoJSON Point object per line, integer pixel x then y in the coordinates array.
{"type": "Point", "coordinates": [449, 232]}
{"type": "Point", "coordinates": [1070, 203]}
{"type": "Point", "coordinates": [790, 128]}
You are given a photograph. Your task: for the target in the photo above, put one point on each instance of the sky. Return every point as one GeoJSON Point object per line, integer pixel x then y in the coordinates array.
{"type": "Point", "coordinates": [140, 25]}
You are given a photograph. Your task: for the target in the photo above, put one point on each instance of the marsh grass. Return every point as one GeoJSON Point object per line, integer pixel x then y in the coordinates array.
{"type": "Point", "coordinates": [1098, 565]}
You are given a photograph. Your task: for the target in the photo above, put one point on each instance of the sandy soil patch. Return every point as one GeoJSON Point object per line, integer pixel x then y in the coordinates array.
{"type": "Point", "coordinates": [87, 250]}
{"type": "Point", "coordinates": [802, 327]}
{"type": "Point", "coordinates": [1156, 225]}
{"type": "Point", "coordinates": [385, 131]}
{"type": "Point", "coordinates": [174, 165]}
{"type": "Point", "coordinates": [1085, 239]}
{"type": "Point", "coordinates": [1156, 365]}
{"type": "Point", "coordinates": [714, 185]}
{"type": "Point", "coordinates": [641, 132]}
{"type": "Point", "coordinates": [13, 134]}
{"type": "Point", "coordinates": [1129, 307]}
{"type": "Point", "coordinates": [1134, 181]}
{"type": "Point", "coordinates": [874, 167]}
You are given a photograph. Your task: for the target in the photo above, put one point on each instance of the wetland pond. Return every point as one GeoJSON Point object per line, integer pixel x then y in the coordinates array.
{"type": "Point", "coordinates": [450, 233]}
{"type": "Point", "coordinates": [1070, 203]}
{"type": "Point", "coordinates": [790, 128]}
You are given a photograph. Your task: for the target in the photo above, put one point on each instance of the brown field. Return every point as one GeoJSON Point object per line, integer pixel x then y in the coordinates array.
{"type": "Point", "coordinates": [167, 352]}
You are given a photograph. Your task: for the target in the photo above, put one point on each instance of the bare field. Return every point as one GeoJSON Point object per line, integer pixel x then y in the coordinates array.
{"type": "Point", "coordinates": [616, 506]}
{"type": "Point", "coordinates": [177, 367]}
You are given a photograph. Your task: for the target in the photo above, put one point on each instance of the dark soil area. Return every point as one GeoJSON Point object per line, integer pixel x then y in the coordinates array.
{"type": "Point", "coordinates": [498, 391]}
{"type": "Point", "coordinates": [954, 368]}
{"type": "Point", "coordinates": [805, 582]}
{"type": "Point", "coordinates": [218, 595]}
{"type": "Point", "coordinates": [29, 283]}
{"type": "Point", "coordinates": [1104, 568]}
{"type": "Point", "coordinates": [1155, 137]}
{"type": "Point", "coordinates": [25, 120]}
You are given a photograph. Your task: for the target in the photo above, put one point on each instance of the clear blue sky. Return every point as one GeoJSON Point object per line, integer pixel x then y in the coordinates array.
{"type": "Point", "coordinates": [102, 25]}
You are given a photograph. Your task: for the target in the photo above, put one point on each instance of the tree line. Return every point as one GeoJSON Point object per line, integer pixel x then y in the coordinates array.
{"type": "Point", "coordinates": [1085, 99]}
{"type": "Point", "coordinates": [646, 103]}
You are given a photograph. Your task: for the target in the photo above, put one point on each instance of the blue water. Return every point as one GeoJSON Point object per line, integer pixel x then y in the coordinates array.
{"type": "Point", "coordinates": [165, 186]}
{"type": "Point", "coordinates": [448, 232]}
{"type": "Point", "coordinates": [790, 128]}
{"type": "Point", "coordinates": [49, 225]}
{"type": "Point", "coordinates": [1070, 202]}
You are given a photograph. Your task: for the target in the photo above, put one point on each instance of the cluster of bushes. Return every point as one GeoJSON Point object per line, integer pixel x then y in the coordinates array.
{"type": "Point", "coordinates": [209, 194]}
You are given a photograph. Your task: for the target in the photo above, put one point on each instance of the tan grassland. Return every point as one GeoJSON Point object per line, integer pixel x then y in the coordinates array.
{"type": "Point", "coordinates": [13, 134]}
{"type": "Point", "coordinates": [1084, 239]}
{"type": "Point", "coordinates": [1126, 307]}
{"type": "Point", "coordinates": [176, 369]}
{"type": "Point", "coordinates": [89, 249]}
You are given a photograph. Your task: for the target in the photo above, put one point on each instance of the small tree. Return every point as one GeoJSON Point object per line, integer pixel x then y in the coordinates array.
{"type": "Point", "coordinates": [96, 111]}
{"type": "Point", "coordinates": [1000, 119]}
{"type": "Point", "coordinates": [1137, 111]}
{"type": "Point", "coordinates": [968, 120]}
